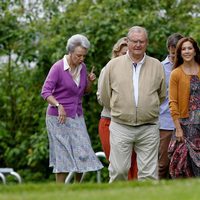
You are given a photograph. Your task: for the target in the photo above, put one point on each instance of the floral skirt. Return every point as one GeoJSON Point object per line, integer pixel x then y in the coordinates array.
{"type": "Point", "coordinates": [70, 148]}
{"type": "Point", "coordinates": [185, 156]}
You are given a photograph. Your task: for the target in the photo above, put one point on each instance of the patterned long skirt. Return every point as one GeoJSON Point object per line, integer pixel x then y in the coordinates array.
{"type": "Point", "coordinates": [70, 148]}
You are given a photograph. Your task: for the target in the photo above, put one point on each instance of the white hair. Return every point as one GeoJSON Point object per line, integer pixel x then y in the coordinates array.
{"type": "Point", "coordinates": [137, 29]}
{"type": "Point", "coordinates": [75, 41]}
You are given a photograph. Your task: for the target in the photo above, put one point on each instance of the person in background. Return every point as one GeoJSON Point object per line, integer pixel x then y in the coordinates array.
{"type": "Point", "coordinates": [67, 81]}
{"type": "Point", "coordinates": [119, 49]}
{"type": "Point", "coordinates": [184, 103]}
{"type": "Point", "coordinates": [133, 87]}
{"type": "Point", "coordinates": [166, 122]}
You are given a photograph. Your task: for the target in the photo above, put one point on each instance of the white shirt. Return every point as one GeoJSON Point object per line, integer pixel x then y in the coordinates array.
{"type": "Point", "coordinates": [75, 73]}
{"type": "Point", "coordinates": [136, 74]}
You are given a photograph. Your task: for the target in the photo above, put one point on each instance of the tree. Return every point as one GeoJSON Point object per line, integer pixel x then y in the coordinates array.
{"type": "Point", "coordinates": [34, 36]}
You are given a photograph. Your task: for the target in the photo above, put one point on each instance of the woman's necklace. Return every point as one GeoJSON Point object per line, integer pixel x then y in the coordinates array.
{"type": "Point", "coordinates": [191, 70]}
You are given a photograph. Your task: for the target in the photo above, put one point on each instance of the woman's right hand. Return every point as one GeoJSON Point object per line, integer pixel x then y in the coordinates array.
{"type": "Point", "coordinates": [61, 114]}
{"type": "Point", "coordinates": [179, 135]}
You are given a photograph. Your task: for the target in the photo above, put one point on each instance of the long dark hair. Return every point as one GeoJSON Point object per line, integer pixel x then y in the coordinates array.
{"type": "Point", "coordinates": [178, 58]}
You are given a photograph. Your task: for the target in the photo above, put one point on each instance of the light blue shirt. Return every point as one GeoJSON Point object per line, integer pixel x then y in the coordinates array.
{"type": "Point", "coordinates": [165, 120]}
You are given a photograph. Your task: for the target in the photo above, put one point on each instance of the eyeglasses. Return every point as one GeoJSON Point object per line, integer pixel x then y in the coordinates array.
{"type": "Point", "coordinates": [137, 41]}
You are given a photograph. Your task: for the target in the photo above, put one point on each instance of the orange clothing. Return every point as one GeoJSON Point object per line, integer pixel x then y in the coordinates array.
{"type": "Point", "coordinates": [179, 93]}
{"type": "Point", "coordinates": [132, 174]}
{"type": "Point", "coordinates": [104, 135]}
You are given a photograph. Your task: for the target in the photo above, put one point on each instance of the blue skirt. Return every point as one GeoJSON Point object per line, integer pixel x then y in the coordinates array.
{"type": "Point", "coordinates": [70, 147]}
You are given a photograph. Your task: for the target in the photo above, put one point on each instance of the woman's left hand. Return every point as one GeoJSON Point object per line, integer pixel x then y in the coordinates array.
{"type": "Point", "coordinates": [91, 75]}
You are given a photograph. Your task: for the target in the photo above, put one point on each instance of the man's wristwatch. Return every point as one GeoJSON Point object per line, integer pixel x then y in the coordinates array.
{"type": "Point", "coordinates": [57, 105]}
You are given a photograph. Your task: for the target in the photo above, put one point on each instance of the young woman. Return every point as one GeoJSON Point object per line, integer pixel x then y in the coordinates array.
{"type": "Point", "coordinates": [184, 95]}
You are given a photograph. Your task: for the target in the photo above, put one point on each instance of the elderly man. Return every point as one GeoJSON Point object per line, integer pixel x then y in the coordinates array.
{"type": "Point", "coordinates": [133, 87]}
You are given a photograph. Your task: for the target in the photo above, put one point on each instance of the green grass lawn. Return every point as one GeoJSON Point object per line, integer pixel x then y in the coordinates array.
{"type": "Point", "coordinates": [188, 189]}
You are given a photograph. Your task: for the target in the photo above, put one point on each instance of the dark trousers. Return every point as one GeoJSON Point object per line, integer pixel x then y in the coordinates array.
{"type": "Point", "coordinates": [163, 160]}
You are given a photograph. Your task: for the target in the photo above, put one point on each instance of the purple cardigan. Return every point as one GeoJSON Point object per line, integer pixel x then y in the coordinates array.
{"type": "Point", "coordinates": [59, 83]}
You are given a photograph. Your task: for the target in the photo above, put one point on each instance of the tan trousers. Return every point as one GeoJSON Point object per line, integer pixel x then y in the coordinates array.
{"type": "Point", "coordinates": [165, 137]}
{"type": "Point", "coordinates": [145, 141]}
{"type": "Point", "coordinates": [104, 134]}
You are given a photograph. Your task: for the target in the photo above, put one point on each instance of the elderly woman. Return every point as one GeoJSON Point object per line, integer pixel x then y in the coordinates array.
{"type": "Point", "coordinates": [63, 89]}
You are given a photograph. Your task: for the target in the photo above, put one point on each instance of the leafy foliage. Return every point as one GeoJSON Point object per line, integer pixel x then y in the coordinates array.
{"type": "Point", "coordinates": [33, 37]}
